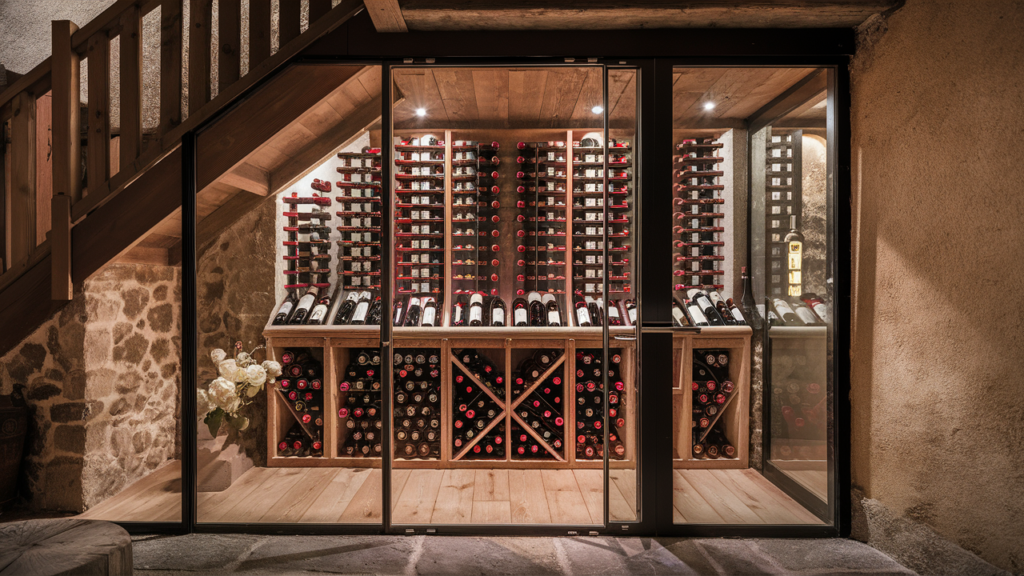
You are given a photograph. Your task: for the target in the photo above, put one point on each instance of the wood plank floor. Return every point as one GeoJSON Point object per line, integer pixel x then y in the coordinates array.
{"type": "Point", "coordinates": [457, 496]}
{"type": "Point", "coordinates": [733, 497]}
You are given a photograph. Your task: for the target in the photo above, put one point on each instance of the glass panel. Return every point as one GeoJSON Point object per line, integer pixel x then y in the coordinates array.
{"type": "Point", "coordinates": [718, 389]}
{"type": "Point", "coordinates": [295, 280]}
{"type": "Point", "coordinates": [483, 206]}
{"type": "Point", "coordinates": [799, 300]}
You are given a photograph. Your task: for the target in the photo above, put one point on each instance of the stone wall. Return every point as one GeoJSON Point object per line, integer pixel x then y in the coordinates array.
{"type": "Point", "coordinates": [102, 382]}
{"type": "Point", "coordinates": [937, 345]}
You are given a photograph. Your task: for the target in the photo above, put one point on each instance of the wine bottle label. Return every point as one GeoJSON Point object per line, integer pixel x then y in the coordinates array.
{"type": "Point", "coordinates": [476, 314]}
{"type": "Point", "coordinates": [806, 315]}
{"type": "Point", "coordinates": [498, 317]}
{"type": "Point", "coordinates": [696, 314]}
{"type": "Point", "coordinates": [520, 316]}
{"type": "Point", "coordinates": [738, 315]}
{"type": "Point", "coordinates": [286, 308]}
{"type": "Point", "coordinates": [613, 311]}
{"type": "Point", "coordinates": [554, 319]}
{"type": "Point", "coordinates": [360, 313]}
{"type": "Point", "coordinates": [822, 311]}
{"type": "Point", "coordinates": [632, 315]}
{"type": "Point", "coordinates": [583, 316]}
{"type": "Point", "coordinates": [783, 307]}
{"type": "Point", "coordinates": [318, 313]}
{"type": "Point", "coordinates": [704, 302]}
{"type": "Point", "coordinates": [306, 301]}
{"type": "Point", "coordinates": [428, 316]}
{"type": "Point", "coordinates": [677, 315]}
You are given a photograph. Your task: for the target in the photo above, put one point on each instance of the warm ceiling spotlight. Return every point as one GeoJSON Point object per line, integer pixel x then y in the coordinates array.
{"type": "Point", "coordinates": [597, 109]}
{"type": "Point", "coordinates": [709, 105]}
{"type": "Point", "coordinates": [421, 111]}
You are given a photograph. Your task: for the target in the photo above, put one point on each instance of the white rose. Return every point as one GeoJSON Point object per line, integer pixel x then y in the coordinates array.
{"type": "Point", "coordinates": [273, 368]}
{"type": "Point", "coordinates": [222, 393]}
{"type": "Point", "coordinates": [203, 404]}
{"type": "Point", "coordinates": [243, 359]}
{"type": "Point", "coordinates": [230, 370]}
{"type": "Point", "coordinates": [218, 356]}
{"type": "Point", "coordinates": [256, 375]}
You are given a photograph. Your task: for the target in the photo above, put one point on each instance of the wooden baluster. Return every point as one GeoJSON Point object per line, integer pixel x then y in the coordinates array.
{"type": "Point", "coordinates": [21, 210]}
{"type": "Point", "coordinates": [290, 22]}
{"type": "Point", "coordinates": [229, 66]}
{"type": "Point", "coordinates": [200, 16]}
{"type": "Point", "coordinates": [131, 87]}
{"type": "Point", "coordinates": [318, 8]}
{"type": "Point", "coordinates": [98, 146]}
{"type": "Point", "coordinates": [67, 155]}
{"type": "Point", "coordinates": [5, 186]}
{"type": "Point", "coordinates": [259, 32]}
{"type": "Point", "coordinates": [170, 66]}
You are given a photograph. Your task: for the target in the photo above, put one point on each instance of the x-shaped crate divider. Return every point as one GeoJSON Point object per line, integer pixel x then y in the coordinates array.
{"type": "Point", "coordinates": [497, 419]}
{"type": "Point", "coordinates": [295, 414]}
{"type": "Point", "coordinates": [529, 429]}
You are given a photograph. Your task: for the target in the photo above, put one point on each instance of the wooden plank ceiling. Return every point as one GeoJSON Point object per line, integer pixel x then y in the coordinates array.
{"type": "Point", "coordinates": [291, 153]}
{"type": "Point", "coordinates": [462, 15]}
{"type": "Point", "coordinates": [540, 97]}
{"type": "Point", "coordinates": [737, 94]}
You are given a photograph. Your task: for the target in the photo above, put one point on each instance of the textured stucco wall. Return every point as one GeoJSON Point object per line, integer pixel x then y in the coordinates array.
{"type": "Point", "coordinates": [938, 161]}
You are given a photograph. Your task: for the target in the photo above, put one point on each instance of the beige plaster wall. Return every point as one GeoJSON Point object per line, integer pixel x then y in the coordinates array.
{"type": "Point", "coordinates": [938, 162]}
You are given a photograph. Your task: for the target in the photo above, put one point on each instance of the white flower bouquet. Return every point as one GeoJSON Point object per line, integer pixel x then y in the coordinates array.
{"type": "Point", "coordinates": [241, 379]}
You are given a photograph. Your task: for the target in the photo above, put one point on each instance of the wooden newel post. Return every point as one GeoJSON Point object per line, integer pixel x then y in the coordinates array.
{"type": "Point", "coordinates": [67, 155]}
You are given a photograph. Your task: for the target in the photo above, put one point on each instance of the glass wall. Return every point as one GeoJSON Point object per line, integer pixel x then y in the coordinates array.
{"type": "Point", "coordinates": [750, 295]}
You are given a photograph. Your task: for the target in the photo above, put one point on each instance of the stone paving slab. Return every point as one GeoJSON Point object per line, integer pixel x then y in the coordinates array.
{"type": "Point", "coordinates": [465, 556]}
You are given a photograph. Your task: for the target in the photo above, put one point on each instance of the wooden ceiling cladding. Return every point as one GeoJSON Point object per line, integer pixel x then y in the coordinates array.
{"type": "Point", "coordinates": [737, 93]}
{"type": "Point", "coordinates": [548, 97]}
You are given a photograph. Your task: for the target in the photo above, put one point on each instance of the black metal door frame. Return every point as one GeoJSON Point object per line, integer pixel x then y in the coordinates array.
{"type": "Point", "coordinates": [648, 50]}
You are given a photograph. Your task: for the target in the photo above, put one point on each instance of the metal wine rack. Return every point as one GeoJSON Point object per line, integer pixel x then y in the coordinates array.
{"type": "Point", "coordinates": [543, 182]}
{"type": "Point", "coordinates": [359, 219]}
{"type": "Point", "coordinates": [420, 186]}
{"type": "Point", "coordinates": [474, 217]}
{"type": "Point", "coordinates": [783, 201]}
{"type": "Point", "coordinates": [307, 247]}
{"type": "Point", "coordinates": [698, 247]}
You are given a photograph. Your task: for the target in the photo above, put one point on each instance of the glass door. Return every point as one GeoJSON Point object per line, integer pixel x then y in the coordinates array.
{"type": "Point", "coordinates": [751, 296]}
{"type": "Point", "coordinates": [511, 209]}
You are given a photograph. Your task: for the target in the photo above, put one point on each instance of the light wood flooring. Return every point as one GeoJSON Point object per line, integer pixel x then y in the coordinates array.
{"type": "Point", "coordinates": [733, 497]}
{"type": "Point", "coordinates": [458, 496]}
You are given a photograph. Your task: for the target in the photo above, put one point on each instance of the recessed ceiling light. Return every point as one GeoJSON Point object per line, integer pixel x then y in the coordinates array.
{"type": "Point", "coordinates": [709, 105]}
{"type": "Point", "coordinates": [421, 111]}
{"type": "Point", "coordinates": [597, 109]}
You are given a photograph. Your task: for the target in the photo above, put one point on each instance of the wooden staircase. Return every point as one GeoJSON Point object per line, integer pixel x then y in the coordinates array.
{"type": "Point", "coordinates": [59, 227]}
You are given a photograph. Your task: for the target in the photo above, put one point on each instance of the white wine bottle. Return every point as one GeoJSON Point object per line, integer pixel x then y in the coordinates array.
{"type": "Point", "coordinates": [476, 309]}
{"type": "Point", "coordinates": [430, 308]}
{"type": "Point", "coordinates": [362, 307]}
{"type": "Point", "coordinates": [554, 315]}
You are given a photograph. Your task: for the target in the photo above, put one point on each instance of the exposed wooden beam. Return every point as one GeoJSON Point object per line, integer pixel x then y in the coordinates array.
{"type": "Point", "coordinates": [249, 178]}
{"type": "Point", "coordinates": [436, 15]}
{"type": "Point", "coordinates": [386, 15]}
{"type": "Point", "coordinates": [797, 96]}
{"type": "Point", "coordinates": [146, 255]}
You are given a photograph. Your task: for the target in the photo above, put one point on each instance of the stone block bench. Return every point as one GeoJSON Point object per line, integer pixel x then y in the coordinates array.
{"type": "Point", "coordinates": [64, 546]}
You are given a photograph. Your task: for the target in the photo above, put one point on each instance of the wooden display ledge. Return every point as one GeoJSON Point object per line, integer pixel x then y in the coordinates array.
{"type": "Point", "coordinates": [735, 415]}
{"type": "Point", "coordinates": [336, 342]}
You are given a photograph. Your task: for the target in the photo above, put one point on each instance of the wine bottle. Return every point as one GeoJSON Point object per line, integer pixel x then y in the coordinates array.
{"type": "Point", "coordinates": [803, 312]}
{"type": "Point", "coordinates": [520, 313]}
{"type": "Point", "coordinates": [816, 304]}
{"type": "Point", "coordinates": [747, 300]}
{"type": "Point", "coordinates": [497, 312]}
{"type": "Point", "coordinates": [430, 308]}
{"type": "Point", "coordinates": [399, 306]}
{"type": "Point", "coordinates": [794, 261]}
{"type": "Point", "coordinates": [285, 311]}
{"type": "Point", "coordinates": [344, 314]}
{"type": "Point", "coordinates": [476, 309]}
{"type": "Point", "coordinates": [737, 314]}
{"type": "Point", "coordinates": [583, 318]}
{"type": "Point", "coordinates": [554, 315]}
{"type": "Point", "coordinates": [722, 308]}
{"type": "Point", "coordinates": [786, 313]}
{"type": "Point", "coordinates": [701, 300]}
{"type": "Point", "coordinates": [596, 309]}
{"type": "Point", "coordinates": [412, 316]}
{"type": "Point", "coordinates": [359, 315]}
{"type": "Point", "coordinates": [631, 311]}
{"type": "Point", "coordinates": [537, 311]}
{"type": "Point", "coordinates": [696, 315]}
{"type": "Point", "coordinates": [678, 314]}
{"type": "Point", "coordinates": [614, 318]}
{"type": "Point", "coordinates": [459, 310]}
{"type": "Point", "coordinates": [304, 306]}
{"type": "Point", "coordinates": [319, 313]}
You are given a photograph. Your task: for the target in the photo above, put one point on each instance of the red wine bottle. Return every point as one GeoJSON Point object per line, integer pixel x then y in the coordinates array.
{"type": "Point", "coordinates": [497, 312]}
{"type": "Point", "coordinates": [583, 318]}
{"type": "Point", "coordinates": [520, 313]}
